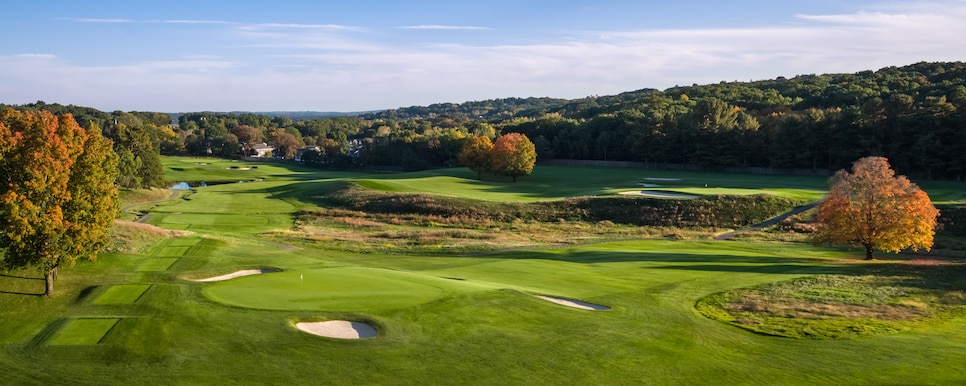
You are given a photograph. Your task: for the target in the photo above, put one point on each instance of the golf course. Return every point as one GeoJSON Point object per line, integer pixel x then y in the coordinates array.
{"type": "Point", "coordinates": [437, 277]}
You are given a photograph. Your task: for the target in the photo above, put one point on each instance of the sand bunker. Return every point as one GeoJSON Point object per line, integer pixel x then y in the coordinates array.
{"type": "Point", "coordinates": [657, 193]}
{"type": "Point", "coordinates": [339, 329]}
{"type": "Point", "coordinates": [661, 179]}
{"type": "Point", "coordinates": [235, 274]}
{"type": "Point", "coordinates": [646, 185]}
{"type": "Point", "coordinates": [575, 303]}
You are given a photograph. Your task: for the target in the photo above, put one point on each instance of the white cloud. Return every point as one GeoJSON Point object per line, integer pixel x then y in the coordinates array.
{"type": "Point", "coordinates": [334, 67]}
{"type": "Point", "coordinates": [35, 56]}
{"type": "Point", "coordinates": [216, 22]}
{"type": "Point", "coordinates": [302, 26]}
{"type": "Point", "coordinates": [96, 20]}
{"type": "Point", "coordinates": [445, 27]}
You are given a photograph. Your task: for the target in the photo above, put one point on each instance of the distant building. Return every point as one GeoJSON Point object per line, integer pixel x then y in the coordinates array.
{"type": "Point", "coordinates": [299, 152]}
{"type": "Point", "coordinates": [260, 150]}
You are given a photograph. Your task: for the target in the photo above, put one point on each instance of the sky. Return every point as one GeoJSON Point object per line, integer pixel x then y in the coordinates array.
{"type": "Point", "coordinates": [363, 55]}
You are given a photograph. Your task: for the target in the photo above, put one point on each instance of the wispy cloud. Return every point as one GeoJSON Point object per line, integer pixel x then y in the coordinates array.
{"type": "Point", "coordinates": [304, 26]}
{"type": "Point", "coordinates": [329, 66]}
{"type": "Point", "coordinates": [98, 20]}
{"type": "Point", "coordinates": [446, 27]}
{"type": "Point", "coordinates": [217, 22]}
{"type": "Point", "coordinates": [35, 56]}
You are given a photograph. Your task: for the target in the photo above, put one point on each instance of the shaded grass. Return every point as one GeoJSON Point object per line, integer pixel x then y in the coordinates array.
{"type": "Point", "coordinates": [558, 182]}
{"type": "Point", "coordinates": [133, 197]}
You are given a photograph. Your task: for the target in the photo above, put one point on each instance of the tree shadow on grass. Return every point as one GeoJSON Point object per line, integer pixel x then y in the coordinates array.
{"type": "Point", "coordinates": [8, 278]}
{"type": "Point", "coordinates": [716, 262]}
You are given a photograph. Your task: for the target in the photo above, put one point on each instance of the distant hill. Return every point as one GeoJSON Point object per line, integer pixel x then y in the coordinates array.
{"type": "Point", "coordinates": [505, 108]}
{"type": "Point", "coordinates": [293, 115]}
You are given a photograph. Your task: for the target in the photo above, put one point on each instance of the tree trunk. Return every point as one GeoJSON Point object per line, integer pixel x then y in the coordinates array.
{"type": "Point", "coordinates": [868, 253]}
{"type": "Point", "coordinates": [49, 279]}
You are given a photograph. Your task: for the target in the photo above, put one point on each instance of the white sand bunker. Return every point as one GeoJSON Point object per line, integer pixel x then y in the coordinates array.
{"type": "Point", "coordinates": [575, 303]}
{"type": "Point", "coordinates": [246, 272]}
{"type": "Point", "coordinates": [646, 185]}
{"type": "Point", "coordinates": [657, 193]}
{"type": "Point", "coordinates": [339, 329]}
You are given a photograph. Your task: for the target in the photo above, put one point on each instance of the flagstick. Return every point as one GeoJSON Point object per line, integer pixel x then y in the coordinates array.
{"type": "Point", "coordinates": [300, 280]}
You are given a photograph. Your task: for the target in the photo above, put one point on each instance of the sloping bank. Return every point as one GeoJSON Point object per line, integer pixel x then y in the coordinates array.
{"type": "Point", "coordinates": [707, 211]}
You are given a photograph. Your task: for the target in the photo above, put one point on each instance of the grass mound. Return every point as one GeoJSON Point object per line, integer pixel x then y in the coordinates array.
{"type": "Point", "coordinates": [878, 300]}
{"type": "Point", "coordinates": [137, 238]}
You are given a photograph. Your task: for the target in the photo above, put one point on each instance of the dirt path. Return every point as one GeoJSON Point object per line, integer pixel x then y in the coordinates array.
{"type": "Point", "coordinates": [769, 222]}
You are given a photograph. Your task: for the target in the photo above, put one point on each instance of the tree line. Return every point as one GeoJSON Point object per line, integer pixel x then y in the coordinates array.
{"type": "Point", "coordinates": [912, 115]}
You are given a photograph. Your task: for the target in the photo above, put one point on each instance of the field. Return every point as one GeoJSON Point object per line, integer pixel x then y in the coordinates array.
{"type": "Point", "coordinates": [464, 316]}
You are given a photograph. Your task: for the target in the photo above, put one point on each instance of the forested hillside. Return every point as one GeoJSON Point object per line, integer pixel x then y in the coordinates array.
{"type": "Point", "coordinates": [913, 115]}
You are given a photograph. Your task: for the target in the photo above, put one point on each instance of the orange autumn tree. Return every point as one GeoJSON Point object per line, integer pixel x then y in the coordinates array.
{"type": "Point", "coordinates": [872, 208]}
{"type": "Point", "coordinates": [513, 155]}
{"type": "Point", "coordinates": [475, 154]}
{"type": "Point", "coordinates": [57, 194]}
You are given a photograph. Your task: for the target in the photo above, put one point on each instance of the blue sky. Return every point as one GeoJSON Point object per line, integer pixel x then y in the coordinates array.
{"type": "Point", "coordinates": [176, 56]}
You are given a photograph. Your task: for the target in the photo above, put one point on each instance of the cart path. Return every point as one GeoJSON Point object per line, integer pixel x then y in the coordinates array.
{"type": "Point", "coordinates": [769, 222]}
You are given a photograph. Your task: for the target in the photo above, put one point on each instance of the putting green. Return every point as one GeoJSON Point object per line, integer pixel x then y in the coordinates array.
{"type": "Point", "coordinates": [83, 331]}
{"type": "Point", "coordinates": [122, 294]}
{"type": "Point", "coordinates": [348, 289]}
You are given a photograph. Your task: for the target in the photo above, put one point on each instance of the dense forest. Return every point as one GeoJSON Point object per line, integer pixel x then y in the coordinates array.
{"type": "Point", "coordinates": [913, 115]}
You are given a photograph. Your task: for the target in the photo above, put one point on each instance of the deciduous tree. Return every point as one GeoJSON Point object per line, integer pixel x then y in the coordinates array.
{"type": "Point", "coordinates": [57, 194]}
{"type": "Point", "coordinates": [872, 208]}
{"type": "Point", "coordinates": [513, 155]}
{"type": "Point", "coordinates": [475, 154]}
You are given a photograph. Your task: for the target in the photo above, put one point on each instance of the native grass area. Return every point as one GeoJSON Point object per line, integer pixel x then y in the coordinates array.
{"type": "Point", "coordinates": [451, 297]}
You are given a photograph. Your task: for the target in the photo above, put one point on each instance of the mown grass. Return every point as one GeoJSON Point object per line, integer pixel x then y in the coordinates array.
{"type": "Point", "coordinates": [122, 294]}
{"type": "Point", "coordinates": [558, 182]}
{"type": "Point", "coordinates": [449, 319]}
{"type": "Point", "coordinates": [85, 331]}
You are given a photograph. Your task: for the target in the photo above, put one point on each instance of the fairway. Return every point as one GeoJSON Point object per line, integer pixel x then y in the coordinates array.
{"type": "Point", "coordinates": [429, 316]}
{"type": "Point", "coordinates": [82, 331]}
